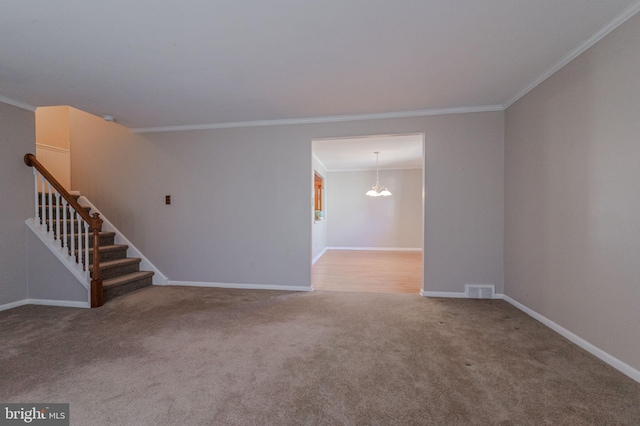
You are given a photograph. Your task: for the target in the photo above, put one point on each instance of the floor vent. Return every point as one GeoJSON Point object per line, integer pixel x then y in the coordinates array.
{"type": "Point", "coordinates": [480, 291]}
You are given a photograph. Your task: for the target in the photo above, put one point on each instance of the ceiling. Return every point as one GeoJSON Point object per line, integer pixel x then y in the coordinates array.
{"type": "Point", "coordinates": [168, 64]}
{"type": "Point", "coordinates": [351, 154]}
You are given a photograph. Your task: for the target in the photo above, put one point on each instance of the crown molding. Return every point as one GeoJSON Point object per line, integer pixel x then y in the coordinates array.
{"type": "Point", "coordinates": [373, 170]}
{"type": "Point", "coordinates": [18, 104]}
{"type": "Point", "coordinates": [599, 35]}
{"type": "Point", "coordinates": [316, 120]}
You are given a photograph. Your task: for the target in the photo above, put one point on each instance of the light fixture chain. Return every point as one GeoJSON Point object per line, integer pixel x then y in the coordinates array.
{"type": "Point", "coordinates": [377, 180]}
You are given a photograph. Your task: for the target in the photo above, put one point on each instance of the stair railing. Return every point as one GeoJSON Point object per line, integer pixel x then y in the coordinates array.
{"type": "Point", "coordinates": [51, 196]}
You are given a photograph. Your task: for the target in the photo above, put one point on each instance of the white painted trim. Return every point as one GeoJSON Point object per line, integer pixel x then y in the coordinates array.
{"type": "Point", "coordinates": [45, 302]}
{"type": "Point", "coordinates": [319, 161]}
{"type": "Point", "coordinates": [63, 303]}
{"type": "Point", "coordinates": [455, 295]}
{"type": "Point", "coordinates": [314, 120]}
{"type": "Point", "coordinates": [52, 148]}
{"type": "Point", "coordinates": [240, 286]}
{"type": "Point", "coordinates": [18, 104]}
{"type": "Point", "coordinates": [445, 294]}
{"type": "Point", "coordinates": [315, 259]}
{"type": "Point", "coordinates": [145, 265]}
{"type": "Point", "coordinates": [599, 35]}
{"type": "Point", "coordinates": [369, 170]}
{"type": "Point", "coordinates": [59, 252]}
{"type": "Point", "coordinates": [376, 248]}
{"type": "Point", "coordinates": [12, 305]}
{"type": "Point", "coordinates": [594, 350]}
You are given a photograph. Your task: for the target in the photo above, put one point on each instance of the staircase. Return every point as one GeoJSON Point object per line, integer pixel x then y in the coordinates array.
{"type": "Point", "coordinates": [120, 274]}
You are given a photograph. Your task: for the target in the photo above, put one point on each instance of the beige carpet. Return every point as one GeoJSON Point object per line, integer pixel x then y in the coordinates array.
{"type": "Point", "coordinates": [194, 356]}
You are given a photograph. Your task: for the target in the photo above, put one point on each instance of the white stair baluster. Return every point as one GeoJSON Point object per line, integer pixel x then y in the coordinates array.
{"type": "Point", "coordinates": [64, 224]}
{"type": "Point", "coordinates": [72, 234]}
{"type": "Point", "coordinates": [43, 198]}
{"type": "Point", "coordinates": [50, 226]}
{"type": "Point", "coordinates": [86, 248]}
{"type": "Point", "coordinates": [58, 219]}
{"type": "Point", "coordinates": [35, 175]}
{"type": "Point", "coordinates": [80, 240]}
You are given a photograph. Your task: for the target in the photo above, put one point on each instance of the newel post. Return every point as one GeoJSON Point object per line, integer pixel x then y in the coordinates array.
{"type": "Point", "coordinates": [96, 279]}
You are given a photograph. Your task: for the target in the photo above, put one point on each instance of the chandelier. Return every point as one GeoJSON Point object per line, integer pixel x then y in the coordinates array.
{"type": "Point", "coordinates": [378, 190]}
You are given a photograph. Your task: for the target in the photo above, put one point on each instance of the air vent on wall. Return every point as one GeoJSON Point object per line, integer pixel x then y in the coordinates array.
{"type": "Point", "coordinates": [479, 291]}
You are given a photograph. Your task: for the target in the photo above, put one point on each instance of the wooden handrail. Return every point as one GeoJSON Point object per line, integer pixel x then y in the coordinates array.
{"type": "Point", "coordinates": [31, 161]}
{"type": "Point", "coordinates": [94, 221]}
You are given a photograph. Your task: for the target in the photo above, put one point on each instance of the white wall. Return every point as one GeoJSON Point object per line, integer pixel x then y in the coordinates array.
{"type": "Point", "coordinates": [47, 277]}
{"type": "Point", "coordinates": [464, 202]}
{"type": "Point", "coordinates": [382, 222]}
{"type": "Point", "coordinates": [572, 228]}
{"type": "Point", "coordinates": [52, 142]}
{"type": "Point", "coordinates": [57, 161]}
{"type": "Point", "coordinates": [17, 130]}
{"type": "Point", "coordinates": [52, 126]}
{"type": "Point", "coordinates": [241, 211]}
{"type": "Point", "coordinates": [318, 227]}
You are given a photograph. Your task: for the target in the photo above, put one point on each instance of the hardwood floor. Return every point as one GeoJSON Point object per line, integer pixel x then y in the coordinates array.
{"type": "Point", "coordinates": [368, 271]}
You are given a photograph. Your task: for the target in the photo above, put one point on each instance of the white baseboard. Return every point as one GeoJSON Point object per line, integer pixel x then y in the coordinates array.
{"type": "Point", "coordinates": [12, 305]}
{"type": "Point", "coordinates": [447, 294]}
{"type": "Point", "coordinates": [45, 302]}
{"type": "Point", "coordinates": [315, 259]}
{"type": "Point", "coordinates": [240, 286]}
{"type": "Point", "coordinates": [604, 356]}
{"type": "Point", "coordinates": [376, 248]}
{"type": "Point", "coordinates": [63, 303]}
{"type": "Point", "coordinates": [454, 295]}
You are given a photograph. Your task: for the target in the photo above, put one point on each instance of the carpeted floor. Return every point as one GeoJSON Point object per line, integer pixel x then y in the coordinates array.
{"type": "Point", "coordinates": [196, 356]}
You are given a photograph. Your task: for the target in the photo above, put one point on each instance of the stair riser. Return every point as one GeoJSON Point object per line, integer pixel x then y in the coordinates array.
{"type": "Point", "coordinates": [110, 255]}
{"type": "Point", "coordinates": [103, 241]}
{"type": "Point", "coordinates": [120, 270]}
{"type": "Point", "coordinates": [110, 293]}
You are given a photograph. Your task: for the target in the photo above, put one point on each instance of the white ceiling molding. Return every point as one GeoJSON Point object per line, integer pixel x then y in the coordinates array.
{"type": "Point", "coordinates": [314, 120]}
{"type": "Point", "coordinates": [599, 35]}
{"type": "Point", "coordinates": [373, 170]}
{"type": "Point", "coordinates": [18, 104]}
{"type": "Point", "coordinates": [248, 75]}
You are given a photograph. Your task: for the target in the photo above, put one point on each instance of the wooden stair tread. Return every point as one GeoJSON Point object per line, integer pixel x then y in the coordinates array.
{"type": "Point", "coordinates": [126, 279]}
{"type": "Point", "coordinates": [101, 233]}
{"type": "Point", "coordinates": [112, 247]}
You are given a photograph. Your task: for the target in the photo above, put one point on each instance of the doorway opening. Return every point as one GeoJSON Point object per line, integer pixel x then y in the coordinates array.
{"type": "Point", "coordinates": [368, 243]}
